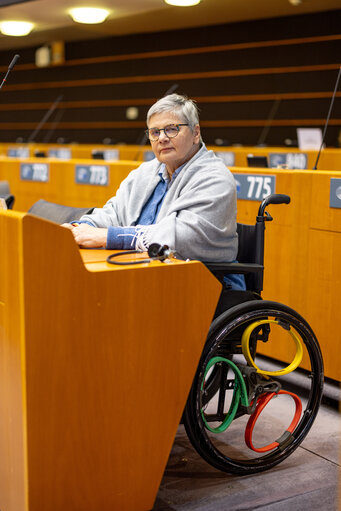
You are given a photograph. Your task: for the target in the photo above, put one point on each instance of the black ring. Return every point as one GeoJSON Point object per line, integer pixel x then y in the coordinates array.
{"type": "Point", "coordinates": [124, 263]}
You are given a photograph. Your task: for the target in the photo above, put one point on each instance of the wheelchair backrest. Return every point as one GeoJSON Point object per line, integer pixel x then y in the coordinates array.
{"type": "Point", "coordinates": [251, 241]}
{"type": "Point", "coordinates": [251, 251]}
{"type": "Point", "coordinates": [246, 243]}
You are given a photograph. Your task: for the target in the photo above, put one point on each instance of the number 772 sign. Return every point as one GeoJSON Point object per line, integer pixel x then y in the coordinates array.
{"type": "Point", "coordinates": [254, 186]}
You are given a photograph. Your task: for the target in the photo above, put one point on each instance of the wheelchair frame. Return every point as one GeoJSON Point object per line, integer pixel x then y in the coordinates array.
{"type": "Point", "coordinates": [230, 390]}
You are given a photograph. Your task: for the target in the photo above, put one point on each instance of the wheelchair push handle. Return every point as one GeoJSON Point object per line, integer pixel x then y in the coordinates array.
{"type": "Point", "coordinates": [274, 198]}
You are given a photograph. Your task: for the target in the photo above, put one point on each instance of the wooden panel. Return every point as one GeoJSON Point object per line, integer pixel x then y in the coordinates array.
{"type": "Point", "coordinates": [13, 449]}
{"type": "Point", "coordinates": [323, 289]}
{"type": "Point", "coordinates": [235, 98]}
{"type": "Point", "coordinates": [302, 255]}
{"type": "Point", "coordinates": [285, 237]}
{"type": "Point", "coordinates": [297, 67]}
{"type": "Point", "coordinates": [28, 192]}
{"type": "Point", "coordinates": [129, 152]}
{"type": "Point", "coordinates": [90, 195]}
{"type": "Point", "coordinates": [188, 51]}
{"type": "Point", "coordinates": [171, 77]}
{"type": "Point", "coordinates": [110, 355]}
{"type": "Point", "coordinates": [62, 187]}
{"type": "Point", "coordinates": [330, 159]}
{"type": "Point", "coordinates": [322, 216]}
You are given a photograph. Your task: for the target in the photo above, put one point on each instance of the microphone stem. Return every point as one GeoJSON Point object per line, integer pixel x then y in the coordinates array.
{"type": "Point", "coordinates": [10, 67]}
{"type": "Point", "coordinates": [3, 81]}
{"type": "Point", "coordinates": [326, 125]}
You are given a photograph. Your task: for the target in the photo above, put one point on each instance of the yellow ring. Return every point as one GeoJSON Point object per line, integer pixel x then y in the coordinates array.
{"type": "Point", "coordinates": [246, 349]}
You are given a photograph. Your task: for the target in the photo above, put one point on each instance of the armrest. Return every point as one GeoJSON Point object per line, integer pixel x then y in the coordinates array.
{"type": "Point", "coordinates": [234, 267]}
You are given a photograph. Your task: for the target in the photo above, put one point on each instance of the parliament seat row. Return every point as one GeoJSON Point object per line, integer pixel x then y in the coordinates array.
{"type": "Point", "coordinates": [303, 246]}
{"type": "Point", "coordinates": [291, 157]}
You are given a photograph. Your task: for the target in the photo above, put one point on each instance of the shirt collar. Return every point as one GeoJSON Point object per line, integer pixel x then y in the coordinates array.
{"type": "Point", "coordinates": [164, 174]}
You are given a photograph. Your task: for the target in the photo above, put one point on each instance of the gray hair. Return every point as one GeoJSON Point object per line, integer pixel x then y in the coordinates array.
{"type": "Point", "coordinates": [180, 105]}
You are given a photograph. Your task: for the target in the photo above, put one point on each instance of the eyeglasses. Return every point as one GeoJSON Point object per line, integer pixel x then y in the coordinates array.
{"type": "Point", "coordinates": [171, 131]}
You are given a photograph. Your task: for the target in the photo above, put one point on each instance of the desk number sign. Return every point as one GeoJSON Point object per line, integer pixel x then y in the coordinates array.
{"type": "Point", "coordinates": [18, 152]}
{"type": "Point", "coordinates": [335, 193]}
{"type": "Point", "coordinates": [254, 186]}
{"type": "Point", "coordinates": [288, 160]}
{"type": "Point", "coordinates": [63, 153]}
{"type": "Point", "coordinates": [97, 175]}
{"type": "Point", "coordinates": [35, 172]}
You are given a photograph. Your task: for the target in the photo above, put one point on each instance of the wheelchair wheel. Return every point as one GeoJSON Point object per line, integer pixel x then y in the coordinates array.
{"type": "Point", "coordinates": [234, 416]}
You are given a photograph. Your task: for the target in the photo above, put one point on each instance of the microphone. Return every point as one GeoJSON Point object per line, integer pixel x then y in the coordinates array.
{"type": "Point", "coordinates": [10, 67]}
{"type": "Point", "coordinates": [14, 61]}
{"type": "Point", "coordinates": [326, 125]}
{"type": "Point", "coordinates": [159, 252]}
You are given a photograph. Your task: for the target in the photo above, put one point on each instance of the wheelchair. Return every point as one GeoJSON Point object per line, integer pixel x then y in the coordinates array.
{"type": "Point", "coordinates": [233, 416]}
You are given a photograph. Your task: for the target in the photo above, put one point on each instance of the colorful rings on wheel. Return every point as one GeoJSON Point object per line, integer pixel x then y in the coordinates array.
{"type": "Point", "coordinates": [246, 348]}
{"type": "Point", "coordinates": [262, 401]}
{"type": "Point", "coordinates": [239, 394]}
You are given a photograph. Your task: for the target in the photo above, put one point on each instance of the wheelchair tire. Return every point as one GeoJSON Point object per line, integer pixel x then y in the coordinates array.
{"type": "Point", "coordinates": [226, 451]}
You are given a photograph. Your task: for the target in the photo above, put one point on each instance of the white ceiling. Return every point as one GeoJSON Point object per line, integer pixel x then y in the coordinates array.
{"type": "Point", "coordinates": [135, 16]}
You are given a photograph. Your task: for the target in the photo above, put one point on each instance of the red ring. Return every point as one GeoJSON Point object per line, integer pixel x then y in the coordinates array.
{"type": "Point", "coordinates": [262, 401]}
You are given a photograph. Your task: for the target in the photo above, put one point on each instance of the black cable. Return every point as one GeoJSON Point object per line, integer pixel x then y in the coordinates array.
{"type": "Point", "coordinates": [123, 263]}
{"type": "Point", "coordinates": [156, 252]}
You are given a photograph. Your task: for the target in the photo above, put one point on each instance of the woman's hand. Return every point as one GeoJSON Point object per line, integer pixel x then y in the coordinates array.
{"type": "Point", "coordinates": [87, 236]}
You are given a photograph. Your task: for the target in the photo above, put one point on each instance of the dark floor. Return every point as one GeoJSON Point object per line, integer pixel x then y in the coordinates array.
{"type": "Point", "coordinates": [307, 480]}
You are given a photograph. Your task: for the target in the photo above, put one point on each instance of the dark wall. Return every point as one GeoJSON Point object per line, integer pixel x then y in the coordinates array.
{"type": "Point", "coordinates": [245, 76]}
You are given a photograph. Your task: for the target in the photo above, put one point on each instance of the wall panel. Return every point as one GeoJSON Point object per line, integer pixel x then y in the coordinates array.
{"type": "Point", "coordinates": [236, 72]}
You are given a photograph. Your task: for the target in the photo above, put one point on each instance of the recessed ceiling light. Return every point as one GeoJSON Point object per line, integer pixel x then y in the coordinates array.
{"type": "Point", "coordinates": [89, 15]}
{"type": "Point", "coordinates": [183, 3]}
{"type": "Point", "coordinates": [16, 28]}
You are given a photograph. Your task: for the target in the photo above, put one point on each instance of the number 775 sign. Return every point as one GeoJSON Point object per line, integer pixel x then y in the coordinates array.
{"type": "Point", "coordinates": [254, 186]}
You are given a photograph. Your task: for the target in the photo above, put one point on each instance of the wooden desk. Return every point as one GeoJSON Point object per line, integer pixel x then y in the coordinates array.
{"type": "Point", "coordinates": [61, 186]}
{"type": "Point", "coordinates": [79, 151]}
{"type": "Point", "coordinates": [330, 158]}
{"type": "Point", "coordinates": [96, 364]}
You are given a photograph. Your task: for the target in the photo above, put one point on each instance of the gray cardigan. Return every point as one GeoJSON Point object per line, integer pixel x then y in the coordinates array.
{"type": "Point", "coordinates": [197, 217]}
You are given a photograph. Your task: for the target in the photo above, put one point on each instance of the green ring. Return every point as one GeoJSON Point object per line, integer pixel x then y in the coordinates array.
{"type": "Point", "coordinates": [239, 394]}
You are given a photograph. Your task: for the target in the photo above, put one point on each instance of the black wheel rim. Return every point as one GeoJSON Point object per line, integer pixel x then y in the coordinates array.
{"type": "Point", "coordinates": [222, 454]}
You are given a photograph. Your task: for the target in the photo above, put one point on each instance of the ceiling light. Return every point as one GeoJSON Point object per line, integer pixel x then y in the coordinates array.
{"type": "Point", "coordinates": [16, 28]}
{"type": "Point", "coordinates": [183, 3]}
{"type": "Point", "coordinates": [89, 14]}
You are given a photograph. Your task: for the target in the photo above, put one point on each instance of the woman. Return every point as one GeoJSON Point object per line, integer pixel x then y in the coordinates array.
{"type": "Point", "coordinates": [184, 198]}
